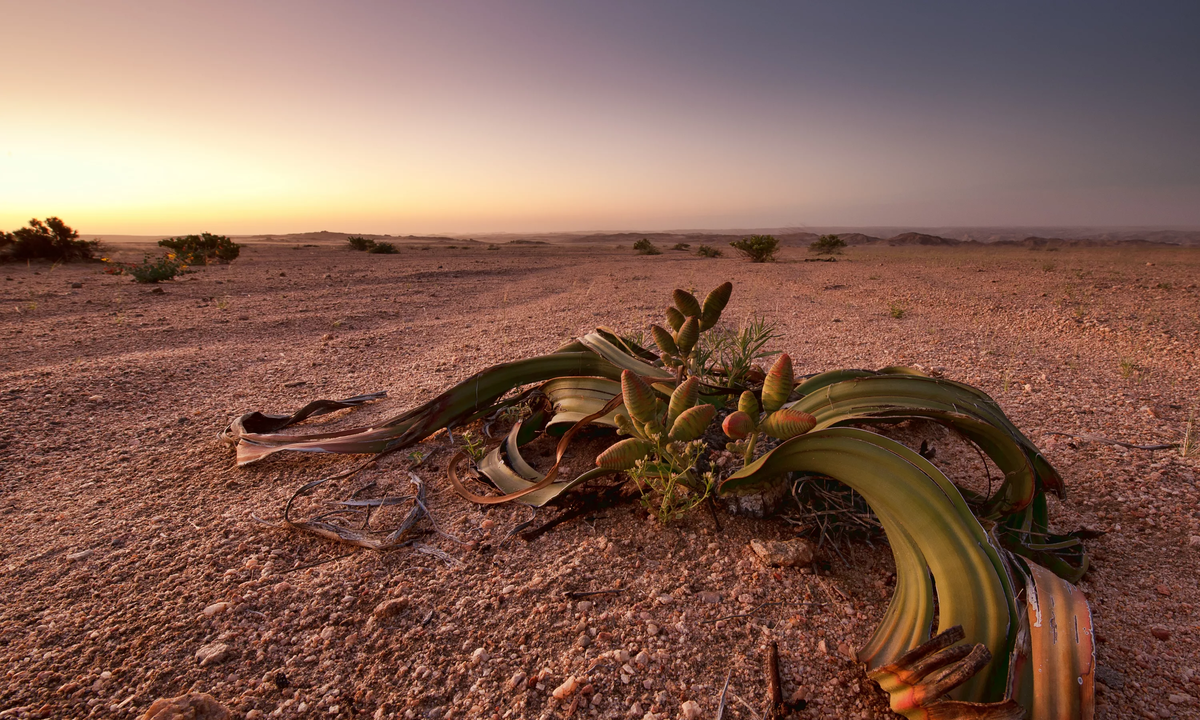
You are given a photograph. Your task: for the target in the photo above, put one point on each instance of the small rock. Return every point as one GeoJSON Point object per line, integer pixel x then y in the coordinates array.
{"type": "Point", "coordinates": [1163, 590]}
{"type": "Point", "coordinates": [584, 605]}
{"type": "Point", "coordinates": [216, 609]}
{"type": "Point", "coordinates": [797, 552]}
{"type": "Point", "coordinates": [1194, 541]}
{"type": "Point", "coordinates": [822, 648]}
{"type": "Point", "coordinates": [691, 710]}
{"type": "Point", "coordinates": [487, 524]}
{"type": "Point", "coordinates": [516, 681]}
{"type": "Point", "coordinates": [651, 629]}
{"type": "Point", "coordinates": [643, 658]}
{"type": "Point", "coordinates": [98, 398]}
{"type": "Point", "coordinates": [212, 654]}
{"type": "Point", "coordinates": [1181, 699]}
{"type": "Point", "coordinates": [157, 291]}
{"type": "Point", "coordinates": [479, 656]}
{"type": "Point", "coordinates": [584, 640]}
{"type": "Point", "coordinates": [76, 284]}
{"type": "Point", "coordinates": [389, 608]}
{"type": "Point", "coordinates": [81, 555]}
{"type": "Point", "coordinates": [1110, 677]}
{"type": "Point", "coordinates": [281, 587]}
{"type": "Point", "coordinates": [193, 706]}
{"type": "Point", "coordinates": [567, 689]}
{"type": "Point", "coordinates": [846, 650]}
{"type": "Point", "coordinates": [1160, 632]}
{"type": "Point", "coordinates": [707, 596]}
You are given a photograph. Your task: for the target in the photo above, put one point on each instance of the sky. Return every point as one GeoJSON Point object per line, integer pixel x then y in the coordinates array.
{"type": "Point", "coordinates": [397, 117]}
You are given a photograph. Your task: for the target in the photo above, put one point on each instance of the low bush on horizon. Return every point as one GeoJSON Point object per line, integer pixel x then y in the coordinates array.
{"type": "Point", "coordinates": [202, 248]}
{"type": "Point", "coordinates": [709, 251]}
{"type": "Point", "coordinates": [383, 248]}
{"type": "Point", "coordinates": [680, 246]}
{"type": "Point", "coordinates": [645, 247]}
{"type": "Point", "coordinates": [757, 248]}
{"type": "Point", "coordinates": [50, 240]}
{"type": "Point", "coordinates": [827, 245]}
{"type": "Point", "coordinates": [359, 243]}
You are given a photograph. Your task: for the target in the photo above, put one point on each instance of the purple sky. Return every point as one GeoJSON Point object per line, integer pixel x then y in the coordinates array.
{"type": "Point", "coordinates": [395, 117]}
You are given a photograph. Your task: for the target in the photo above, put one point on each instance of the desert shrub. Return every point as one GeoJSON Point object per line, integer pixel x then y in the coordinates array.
{"type": "Point", "coordinates": [827, 245]}
{"type": "Point", "coordinates": [149, 271]}
{"type": "Point", "coordinates": [49, 240]}
{"type": "Point", "coordinates": [757, 248]}
{"type": "Point", "coordinates": [680, 246]}
{"type": "Point", "coordinates": [383, 248]}
{"type": "Point", "coordinates": [359, 243]}
{"type": "Point", "coordinates": [897, 310]}
{"type": "Point", "coordinates": [645, 247]}
{"type": "Point", "coordinates": [709, 251]}
{"type": "Point", "coordinates": [200, 249]}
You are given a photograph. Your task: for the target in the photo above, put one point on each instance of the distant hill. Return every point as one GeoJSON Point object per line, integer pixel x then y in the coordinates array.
{"type": "Point", "coordinates": [916, 238]}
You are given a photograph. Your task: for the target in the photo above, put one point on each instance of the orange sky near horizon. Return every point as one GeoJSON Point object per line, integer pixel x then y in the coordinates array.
{"type": "Point", "coordinates": [461, 117]}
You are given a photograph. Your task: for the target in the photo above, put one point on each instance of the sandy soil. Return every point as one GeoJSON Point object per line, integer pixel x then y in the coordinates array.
{"type": "Point", "coordinates": [124, 518]}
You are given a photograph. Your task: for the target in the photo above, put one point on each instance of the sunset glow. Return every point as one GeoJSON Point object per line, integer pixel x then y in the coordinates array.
{"type": "Point", "coordinates": [396, 117]}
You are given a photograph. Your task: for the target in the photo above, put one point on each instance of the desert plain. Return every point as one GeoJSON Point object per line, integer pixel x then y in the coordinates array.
{"type": "Point", "coordinates": [138, 562]}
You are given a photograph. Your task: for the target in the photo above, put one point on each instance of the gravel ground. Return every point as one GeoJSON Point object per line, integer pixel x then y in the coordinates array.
{"type": "Point", "coordinates": [135, 568]}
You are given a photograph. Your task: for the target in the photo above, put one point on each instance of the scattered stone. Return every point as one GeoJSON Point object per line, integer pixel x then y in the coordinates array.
{"type": "Point", "coordinates": [1163, 590]}
{"type": "Point", "coordinates": [584, 605]}
{"type": "Point", "coordinates": [479, 656]}
{"type": "Point", "coordinates": [1110, 677]}
{"type": "Point", "coordinates": [216, 609]}
{"type": "Point", "coordinates": [584, 640]}
{"type": "Point", "coordinates": [651, 629]}
{"type": "Point", "coordinates": [1160, 632]}
{"type": "Point", "coordinates": [81, 555]}
{"type": "Point", "coordinates": [76, 284]}
{"type": "Point", "coordinates": [822, 648]}
{"type": "Point", "coordinates": [643, 658]}
{"type": "Point", "coordinates": [157, 291]}
{"type": "Point", "coordinates": [281, 587]}
{"type": "Point", "coordinates": [1194, 541]}
{"type": "Point", "coordinates": [487, 524]}
{"type": "Point", "coordinates": [691, 710]}
{"type": "Point", "coordinates": [846, 650]}
{"type": "Point", "coordinates": [707, 596]}
{"type": "Point", "coordinates": [389, 608]}
{"type": "Point", "coordinates": [797, 552]}
{"type": "Point", "coordinates": [567, 689]}
{"type": "Point", "coordinates": [212, 654]}
{"type": "Point", "coordinates": [1181, 699]}
{"type": "Point", "coordinates": [516, 681]}
{"type": "Point", "coordinates": [193, 706]}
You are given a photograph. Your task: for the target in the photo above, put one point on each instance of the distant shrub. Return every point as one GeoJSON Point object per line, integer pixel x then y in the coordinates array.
{"type": "Point", "coordinates": [897, 310]}
{"type": "Point", "coordinates": [827, 245]}
{"type": "Point", "coordinates": [757, 248]}
{"type": "Point", "coordinates": [383, 248]}
{"type": "Point", "coordinates": [680, 246]}
{"type": "Point", "coordinates": [709, 251]}
{"type": "Point", "coordinates": [49, 240]}
{"type": "Point", "coordinates": [200, 249]}
{"type": "Point", "coordinates": [149, 271]}
{"type": "Point", "coordinates": [360, 244]}
{"type": "Point", "coordinates": [645, 247]}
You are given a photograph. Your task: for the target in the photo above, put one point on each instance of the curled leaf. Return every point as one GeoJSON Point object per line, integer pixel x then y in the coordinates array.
{"type": "Point", "coordinates": [714, 303]}
{"type": "Point", "coordinates": [684, 397]}
{"type": "Point", "coordinates": [639, 398]}
{"type": "Point", "coordinates": [738, 425]}
{"type": "Point", "coordinates": [687, 336]}
{"type": "Point", "coordinates": [624, 455]}
{"type": "Point", "coordinates": [663, 339]}
{"type": "Point", "coordinates": [692, 423]}
{"type": "Point", "coordinates": [687, 303]}
{"type": "Point", "coordinates": [748, 404]}
{"type": "Point", "coordinates": [778, 384]}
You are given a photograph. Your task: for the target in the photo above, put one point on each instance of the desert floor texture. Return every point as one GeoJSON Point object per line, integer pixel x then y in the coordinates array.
{"type": "Point", "coordinates": [133, 565]}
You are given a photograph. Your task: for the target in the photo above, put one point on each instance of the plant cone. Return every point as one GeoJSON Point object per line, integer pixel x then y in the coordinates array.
{"type": "Point", "coordinates": [692, 423]}
{"type": "Point", "coordinates": [748, 404]}
{"type": "Point", "coordinates": [665, 342]}
{"type": "Point", "coordinates": [624, 455]}
{"type": "Point", "coordinates": [714, 304]}
{"type": "Point", "coordinates": [687, 336]}
{"type": "Point", "coordinates": [738, 425]}
{"type": "Point", "coordinates": [687, 303]}
{"type": "Point", "coordinates": [787, 423]}
{"type": "Point", "coordinates": [778, 384]}
{"type": "Point", "coordinates": [639, 398]}
{"type": "Point", "coordinates": [675, 318]}
{"type": "Point", "coordinates": [684, 397]}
